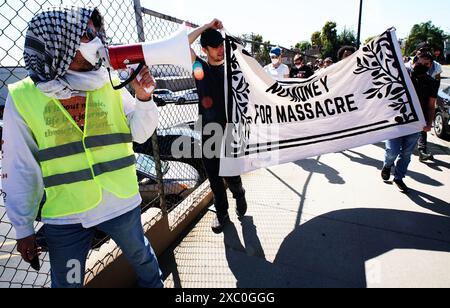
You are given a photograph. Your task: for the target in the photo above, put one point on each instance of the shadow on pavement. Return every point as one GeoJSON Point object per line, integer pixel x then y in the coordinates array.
{"type": "Point", "coordinates": [429, 202]}
{"type": "Point", "coordinates": [333, 250]}
{"type": "Point", "coordinates": [317, 167]}
{"type": "Point", "coordinates": [438, 165]}
{"type": "Point", "coordinates": [378, 164]}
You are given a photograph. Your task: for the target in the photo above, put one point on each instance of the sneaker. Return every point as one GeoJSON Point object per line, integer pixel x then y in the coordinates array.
{"type": "Point", "coordinates": [219, 223]}
{"type": "Point", "coordinates": [402, 186]}
{"type": "Point", "coordinates": [241, 207]}
{"type": "Point", "coordinates": [424, 156]}
{"type": "Point", "coordinates": [386, 174]}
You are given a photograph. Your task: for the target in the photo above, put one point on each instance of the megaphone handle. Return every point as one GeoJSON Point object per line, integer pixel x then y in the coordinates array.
{"type": "Point", "coordinates": [130, 79]}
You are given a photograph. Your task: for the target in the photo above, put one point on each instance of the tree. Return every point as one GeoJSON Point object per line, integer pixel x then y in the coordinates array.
{"type": "Point", "coordinates": [303, 46]}
{"type": "Point", "coordinates": [329, 40]}
{"type": "Point", "coordinates": [259, 49]}
{"type": "Point", "coordinates": [425, 32]}
{"type": "Point", "coordinates": [347, 38]}
{"type": "Point", "coordinates": [316, 40]}
{"type": "Point", "coordinates": [255, 40]}
{"type": "Point", "coordinates": [369, 39]}
{"type": "Point", "coordinates": [263, 56]}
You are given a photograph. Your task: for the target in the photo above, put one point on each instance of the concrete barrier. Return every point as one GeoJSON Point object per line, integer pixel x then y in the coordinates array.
{"type": "Point", "coordinates": [108, 268]}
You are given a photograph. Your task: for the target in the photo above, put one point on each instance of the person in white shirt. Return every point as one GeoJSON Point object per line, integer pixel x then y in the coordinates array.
{"type": "Point", "coordinates": [68, 72]}
{"type": "Point", "coordinates": [277, 69]}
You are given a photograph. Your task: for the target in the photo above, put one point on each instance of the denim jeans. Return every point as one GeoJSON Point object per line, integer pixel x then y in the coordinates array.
{"type": "Point", "coordinates": [401, 148]}
{"type": "Point", "coordinates": [212, 167]}
{"type": "Point", "coordinates": [69, 246]}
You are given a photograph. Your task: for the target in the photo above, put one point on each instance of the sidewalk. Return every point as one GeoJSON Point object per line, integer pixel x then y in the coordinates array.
{"type": "Point", "coordinates": [326, 222]}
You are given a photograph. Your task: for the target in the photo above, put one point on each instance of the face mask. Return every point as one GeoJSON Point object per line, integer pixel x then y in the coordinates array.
{"type": "Point", "coordinates": [420, 69]}
{"type": "Point", "coordinates": [89, 51]}
{"type": "Point", "coordinates": [275, 61]}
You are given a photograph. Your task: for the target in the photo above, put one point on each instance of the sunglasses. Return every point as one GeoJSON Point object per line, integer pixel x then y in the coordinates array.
{"type": "Point", "coordinates": [91, 33]}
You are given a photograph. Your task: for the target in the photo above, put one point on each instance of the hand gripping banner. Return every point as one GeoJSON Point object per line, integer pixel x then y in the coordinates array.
{"type": "Point", "coordinates": [364, 99]}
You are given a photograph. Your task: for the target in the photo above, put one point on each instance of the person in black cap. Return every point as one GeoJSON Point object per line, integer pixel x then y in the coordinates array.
{"type": "Point", "coordinates": [210, 78]}
{"type": "Point", "coordinates": [300, 69]}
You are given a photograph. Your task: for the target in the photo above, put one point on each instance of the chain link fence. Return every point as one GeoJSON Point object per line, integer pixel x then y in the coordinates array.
{"type": "Point", "coordinates": [177, 100]}
{"type": "Point", "coordinates": [178, 114]}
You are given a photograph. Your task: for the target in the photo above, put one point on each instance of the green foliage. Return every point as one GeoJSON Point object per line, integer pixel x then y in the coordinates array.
{"type": "Point", "coordinates": [263, 56]}
{"type": "Point", "coordinates": [347, 38]}
{"type": "Point", "coordinates": [303, 46]}
{"type": "Point", "coordinates": [425, 32]}
{"type": "Point", "coordinates": [369, 39]}
{"type": "Point", "coordinates": [329, 39]}
{"type": "Point", "coordinates": [258, 48]}
{"type": "Point", "coordinates": [316, 40]}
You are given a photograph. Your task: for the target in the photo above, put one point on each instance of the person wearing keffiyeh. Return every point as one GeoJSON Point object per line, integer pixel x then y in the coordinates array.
{"type": "Point", "coordinates": [68, 133]}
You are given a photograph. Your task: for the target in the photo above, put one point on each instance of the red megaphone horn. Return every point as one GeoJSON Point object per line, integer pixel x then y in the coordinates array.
{"type": "Point", "coordinates": [175, 51]}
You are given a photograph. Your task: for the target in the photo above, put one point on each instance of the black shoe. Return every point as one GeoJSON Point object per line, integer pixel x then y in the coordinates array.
{"type": "Point", "coordinates": [386, 174]}
{"type": "Point", "coordinates": [424, 156]}
{"type": "Point", "coordinates": [219, 223]}
{"type": "Point", "coordinates": [241, 207]}
{"type": "Point", "coordinates": [402, 186]}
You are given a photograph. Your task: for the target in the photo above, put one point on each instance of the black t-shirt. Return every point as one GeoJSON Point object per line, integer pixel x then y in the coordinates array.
{"type": "Point", "coordinates": [304, 72]}
{"type": "Point", "coordinates": [211, 94]}
{"type": "Point", "coordinates": [426, 88]}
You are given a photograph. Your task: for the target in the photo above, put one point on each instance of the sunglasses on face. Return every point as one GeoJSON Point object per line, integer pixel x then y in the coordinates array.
{"type": "Point", "coordinates": [90, 34]}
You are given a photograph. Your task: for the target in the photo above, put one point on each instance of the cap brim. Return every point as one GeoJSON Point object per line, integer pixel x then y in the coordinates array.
{"type": "Point", "coordinates": [216, 43]}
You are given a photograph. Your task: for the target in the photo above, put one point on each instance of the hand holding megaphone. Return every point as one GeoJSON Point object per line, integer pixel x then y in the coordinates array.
{"type": "Point", "coordinates": [144, 84]}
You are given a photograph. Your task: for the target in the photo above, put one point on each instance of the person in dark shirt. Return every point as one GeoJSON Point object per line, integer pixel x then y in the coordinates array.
{"type": "Point", "coordinates": [403, 147]}
{"type": "Point", "coordinates": [300, 70]}
{"type": "Point", "coordinates": [429, 84]}
{"type": "Point", "coordinates": [209, 77]}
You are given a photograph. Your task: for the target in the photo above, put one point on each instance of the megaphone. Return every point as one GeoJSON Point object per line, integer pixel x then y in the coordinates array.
{"type": "Point", "coordinates": [174, 50]}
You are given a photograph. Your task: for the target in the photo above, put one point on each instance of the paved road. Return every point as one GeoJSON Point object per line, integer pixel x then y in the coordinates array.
{"type": "Point", "coordinates": [328, 221]}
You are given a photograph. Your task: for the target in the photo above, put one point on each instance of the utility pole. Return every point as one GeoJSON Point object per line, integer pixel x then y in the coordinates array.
{"type": "Point", "coordinates": [358, 40]}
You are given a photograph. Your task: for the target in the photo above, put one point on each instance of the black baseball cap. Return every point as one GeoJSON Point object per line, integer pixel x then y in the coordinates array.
{"type": "Point", "coordinates": [211, 38]}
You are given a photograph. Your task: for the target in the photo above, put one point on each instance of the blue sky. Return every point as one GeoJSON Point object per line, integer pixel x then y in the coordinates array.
{"type": "Point", "coordinates": [288, 21]}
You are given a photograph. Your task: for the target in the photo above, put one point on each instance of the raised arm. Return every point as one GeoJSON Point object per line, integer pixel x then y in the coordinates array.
{"type": "Point", "coordinates": [194, 35]}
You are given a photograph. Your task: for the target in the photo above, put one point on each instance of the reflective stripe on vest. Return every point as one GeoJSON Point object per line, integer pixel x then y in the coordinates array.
{"type": "Point", "coordinates": [61, 151]}
{"type": "Point", "coordinates": [114, 165]}
{"type": "Point", "coordinates": [77, 166]}
{"type": "Point", "coordinates": [77, 147]}
{"type": "Point", "coordinates": [101, 141]}
{"type": "Point", "coordinates": [68, 178]}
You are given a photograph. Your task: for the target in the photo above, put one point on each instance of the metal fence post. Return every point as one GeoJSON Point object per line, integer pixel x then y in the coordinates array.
{"type": "Point", "coordinates": [139, 20]}
{"type": "Point", "coordinates": [156, 155]}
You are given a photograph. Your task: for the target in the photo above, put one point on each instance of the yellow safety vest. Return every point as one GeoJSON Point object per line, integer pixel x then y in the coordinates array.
{"type": "Point", "coordinates": [76, 165]}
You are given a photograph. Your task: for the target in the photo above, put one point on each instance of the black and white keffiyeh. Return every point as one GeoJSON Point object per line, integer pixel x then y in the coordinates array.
{"type": "Point", "coordinates": [51, 42]}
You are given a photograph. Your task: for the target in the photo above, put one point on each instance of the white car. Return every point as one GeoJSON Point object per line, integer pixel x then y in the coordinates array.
{"type": "Point", "coordinates": [165, 96]}
{"type": "Point", "coordinates": [190, 96]}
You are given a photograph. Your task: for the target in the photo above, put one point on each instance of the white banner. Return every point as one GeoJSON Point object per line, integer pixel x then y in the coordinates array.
{"type": "Point", "coordinates": [362, 100]}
